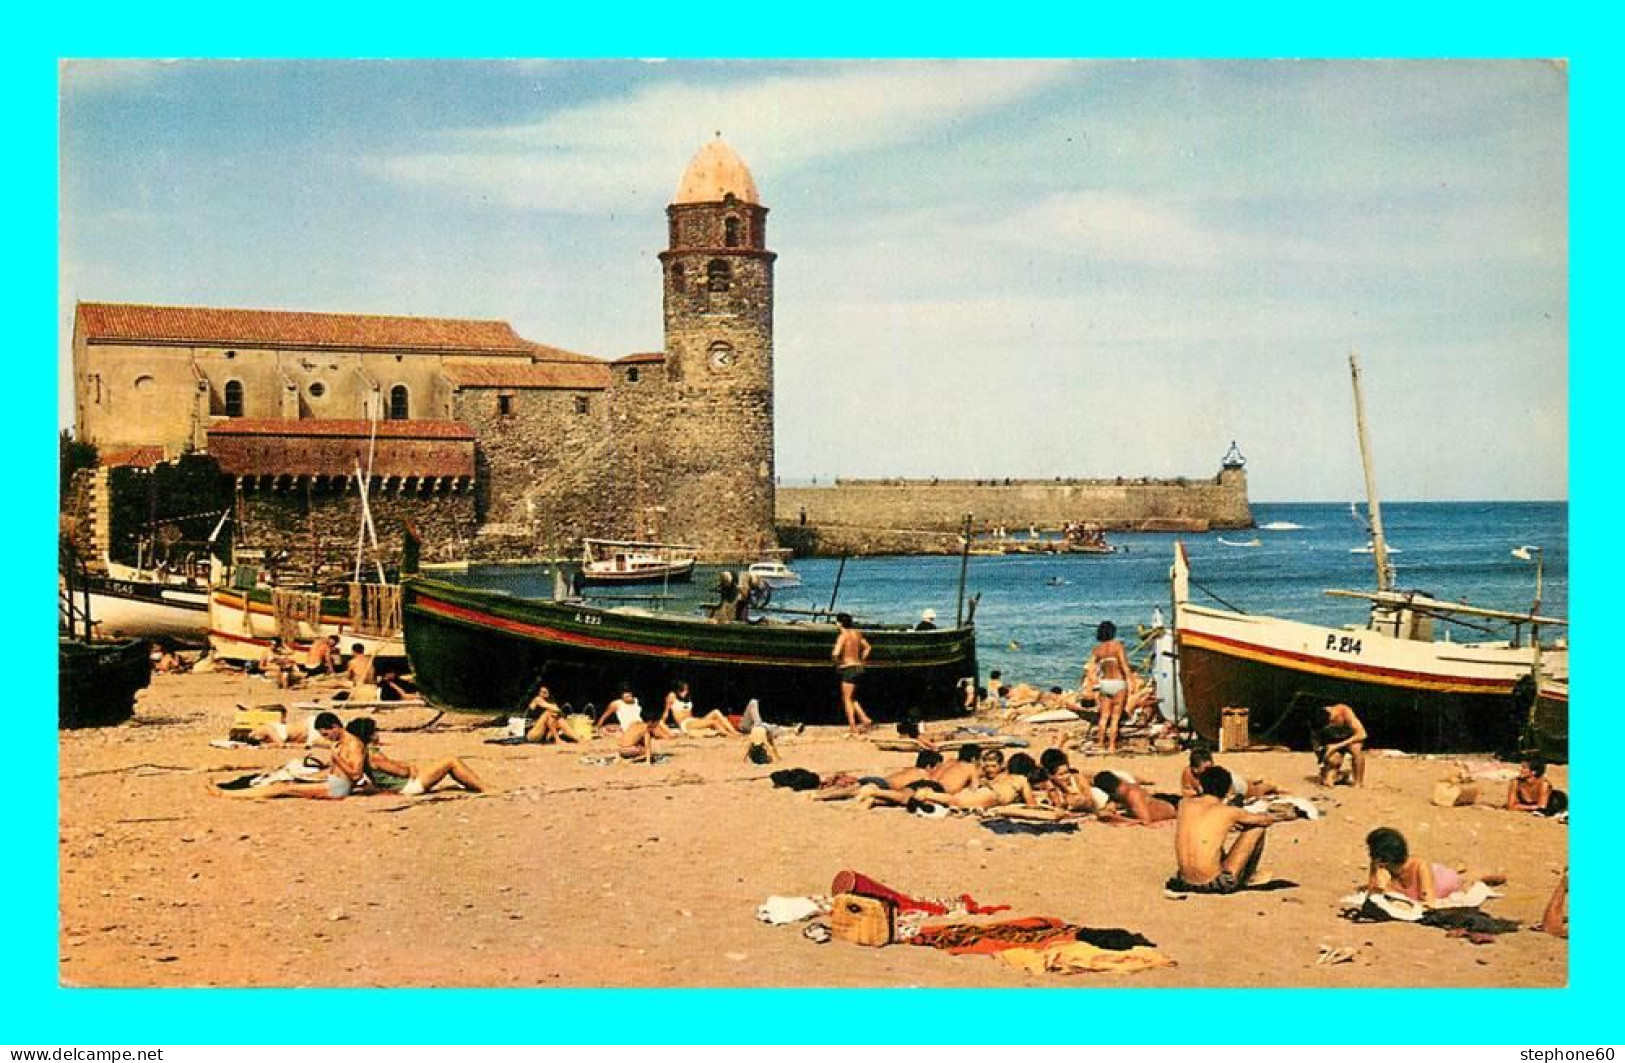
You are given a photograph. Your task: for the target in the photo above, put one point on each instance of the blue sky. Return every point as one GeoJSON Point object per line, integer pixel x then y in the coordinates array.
{"type": "Point", "coordinates": [986, 268]}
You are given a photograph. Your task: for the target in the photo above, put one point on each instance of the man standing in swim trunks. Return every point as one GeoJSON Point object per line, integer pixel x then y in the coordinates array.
{"type": "Point", "coordinates": [850, 653]}
{"type": "Point", "coordinates": [1203, 824]}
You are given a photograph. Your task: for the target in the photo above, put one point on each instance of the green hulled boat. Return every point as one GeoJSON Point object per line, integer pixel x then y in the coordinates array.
{"type": "Point", "coordinates": [482, 649]}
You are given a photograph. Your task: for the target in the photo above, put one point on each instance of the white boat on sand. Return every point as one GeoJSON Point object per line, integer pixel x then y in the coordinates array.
{"type": "Point", "coordinates": [1413, 686]}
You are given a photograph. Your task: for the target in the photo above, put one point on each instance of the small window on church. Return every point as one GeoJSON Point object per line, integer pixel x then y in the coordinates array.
{"type": "Point", "coordinates": [718, 275]}
{"type": "Point", "coordinates": [504, 405]}
{"type": "Point", "coordinates": [730, 232]}
{"type": "Point", "coordinates": [581, 404]}
{"type": "Point", "coordinates": [632, 375]}
{"type": "Point", "coordinates": [234, 398]}
{"type": "Point", "coordinates": [400, 406]}
{"type": "Point", "coordinates": [318, 389]}
{"type": "Point", "coordinates": [678, 280]}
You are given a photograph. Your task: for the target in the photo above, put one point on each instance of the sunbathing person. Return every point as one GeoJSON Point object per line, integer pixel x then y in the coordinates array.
{"type": "Point", "coordinates": [1063, 785]}
{"type": "Point", "coordinates": [344, 774]}
{"type": "Point", "coordinates": [1339, 735]}
{"type": "Point", "coordinates": [549, 725]}
{"type": "Point", "coordinates": [319, 657]}
{"type": "Point", "coordinates": [638, 742]}
{"type": "Point", "coordinates": [680, 714]}
{"type": "Point", "coordinates": [1138, 806]}
{"type": "Point", "coordinates": [752, 719]}
{"type": "Point", "coordinates": [910, 730]}
{"type": "Point", "coordinates": [954, 775]}
{"type": "Point", "coordinates": [924, 763]}
{"type": "Point", "coordinates": [1242, 790]}
{"type": "Point", "coordinates": [388, 775]}
{"type": "Point", "coordinates": [361, 670]}
{"type": "Point", "coordinates": [1555, 921]}
{"type": "Point", "coordinates": [283, 733]}
{"type": "Point", "coordinates": [1531, 792]}
{"type": "Point", "coordinates": [1001, 783]}
{"type": "Point", "coordinates": [1204, 823]}
{"type": "Point", "coordinates": [1394, 869]}
{"type": "Point", "coordinates": [761, 749]}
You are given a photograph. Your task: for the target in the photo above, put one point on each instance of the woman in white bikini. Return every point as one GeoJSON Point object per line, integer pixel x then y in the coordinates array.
{"type": "Point", "coordinates": [680, 714]}
{"type": "Point", "coordinates": [1107, 674]}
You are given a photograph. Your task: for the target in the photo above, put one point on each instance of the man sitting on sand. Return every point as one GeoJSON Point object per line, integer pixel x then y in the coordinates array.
{"type": "Point", "coordinates": [361, 669]}
{"type": "Point", "coordinates": [1242, 790]}
{"type": "Point", "coordinates": [319, 658]}
{"type": "Point", "coordinates": [1338, 735]}
{"type": "Point", "coordinates": [388, 775]}
{"type": "Point", "coordinates": [1204, 822]}
{"type": "Point", "coordinates": [1138, 806]}
{"type": "Point", "coordinates": [909, 730]}
{"type": "Point", "coordinates": [346, 771]}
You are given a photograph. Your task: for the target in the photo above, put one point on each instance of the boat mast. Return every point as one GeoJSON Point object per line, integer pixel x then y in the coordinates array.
{"type": "Point", "coordinates": [1379, 544]}
{"type": "Point", "coordinates": [964, 565]}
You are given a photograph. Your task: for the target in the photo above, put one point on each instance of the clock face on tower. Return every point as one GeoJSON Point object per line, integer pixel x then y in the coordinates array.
{"type": "Point", "coordinates": [722, 357]}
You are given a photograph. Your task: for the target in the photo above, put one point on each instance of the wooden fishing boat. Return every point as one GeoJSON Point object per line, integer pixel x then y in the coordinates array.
{"type": "Point", "coordinates": [244, 617]}
{"type": "Point", "coordinates": [97, 678]}
{"type": "Point", "coordinates": [149, 603]}
{"type": "Point", "coordinates": [482, 649]}
{"type": "Point", "coordinates": [624, 562]}
{"type": "Point", "coordinates": [1413, 690]}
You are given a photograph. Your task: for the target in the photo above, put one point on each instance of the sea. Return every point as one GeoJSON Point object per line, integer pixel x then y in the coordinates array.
{"type": "Point", "coordinates": [1036, 614]}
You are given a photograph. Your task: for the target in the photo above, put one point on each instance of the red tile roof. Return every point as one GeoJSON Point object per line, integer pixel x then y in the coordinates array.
{"type": "Point", "coordinates": [137, 457]}
{"type": "Point", "coordinates": [243, 426]}
{"type": "Point", "coordinates": [640, 359]}
{"type": "Point", "coordinates": [543, 353]}
{"type": "Point", "coordinates": [131, 323]}
{"type": "Point", "coordinates": [338, 448]}
{"type": "Point", "coordinates": [572, 376]}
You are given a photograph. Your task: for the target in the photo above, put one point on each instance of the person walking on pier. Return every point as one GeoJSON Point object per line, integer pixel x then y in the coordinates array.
{"type": "Point", "coordinates": [850, 654]}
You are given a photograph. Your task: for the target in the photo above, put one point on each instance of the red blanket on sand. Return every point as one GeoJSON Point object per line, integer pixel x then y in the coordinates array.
{"type": "Point", "coordinates": [1034, 932]}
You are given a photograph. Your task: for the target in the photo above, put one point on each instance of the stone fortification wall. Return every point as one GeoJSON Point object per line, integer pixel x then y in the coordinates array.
{"type": "Point", "coordinates": [317, 529]}
{"type": "Point", "coordinates": [853, 509]}
{"type": "Point", "coordinates": [544, 467]}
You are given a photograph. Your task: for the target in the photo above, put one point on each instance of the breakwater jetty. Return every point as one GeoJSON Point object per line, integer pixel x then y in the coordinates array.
{"type": "Point", "coordinates": [892, 516]}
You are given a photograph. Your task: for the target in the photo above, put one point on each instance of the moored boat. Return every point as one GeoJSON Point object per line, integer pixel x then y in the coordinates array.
{"type": "Point", "coordinates": [97, 678]}
{"type": "Point", "coordinates": [625, 562]}
{"type": "Point", "coordinates": [482, 649]}
{"type": "Point", "coordinates": [245, 617]}
{"type": "Point", "coordinates": [129, 601]}
{"type": "Point", "coordinates": [774, 573]}
{"type": "Point", "coordinates": [1413, 689]}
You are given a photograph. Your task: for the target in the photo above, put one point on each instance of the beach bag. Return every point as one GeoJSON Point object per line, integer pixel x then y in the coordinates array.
{"type": "Point", "coordinates": [863, 920]}
{"type": "Point", "coordinates": [579, 727]}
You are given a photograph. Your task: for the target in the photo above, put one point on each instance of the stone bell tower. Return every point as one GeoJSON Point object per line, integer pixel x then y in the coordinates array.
{"type": "Point", "coordinates": [718, 298]}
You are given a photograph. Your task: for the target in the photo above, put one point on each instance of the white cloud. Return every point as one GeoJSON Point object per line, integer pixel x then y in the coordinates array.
{"type": "Point", "coordinates": [620, 153]}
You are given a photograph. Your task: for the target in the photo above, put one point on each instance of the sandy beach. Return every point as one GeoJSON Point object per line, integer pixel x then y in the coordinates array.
{"type": "Point", "coordinates": [584, 874]}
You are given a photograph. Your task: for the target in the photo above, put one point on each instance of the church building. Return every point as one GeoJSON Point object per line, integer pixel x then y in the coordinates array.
{"type": "Point", "coordinates": [490, 443]}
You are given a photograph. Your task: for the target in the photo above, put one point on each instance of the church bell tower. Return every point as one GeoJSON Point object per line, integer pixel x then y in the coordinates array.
{"type": "Point", "coordinates": [718, 302]}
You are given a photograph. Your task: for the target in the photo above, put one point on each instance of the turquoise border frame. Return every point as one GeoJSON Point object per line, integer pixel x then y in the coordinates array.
{"type": "Point", "coordinates": [41, 1013]}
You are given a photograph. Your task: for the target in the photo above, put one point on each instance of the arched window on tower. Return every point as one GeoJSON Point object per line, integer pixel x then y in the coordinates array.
{"type": "Point", "coordinates": [717, 275]}
{"type": "Point", "coordinates": [678, 280]}
{"type": "Point", "coordinates": [730, 232]}
{"type": "Point", "coordinates": [400, 406]}
{"type": "Point", "coordinates": [234, 398]}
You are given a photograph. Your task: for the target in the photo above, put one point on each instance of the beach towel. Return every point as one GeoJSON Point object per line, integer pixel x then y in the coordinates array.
{"type": "Point", "coordinates": [989, 938]}
{"type": "Point", "coordinates": [1079, 957]}
{"type": "Point", "coordinates": [795, 778]}
{"type": "Point", "coordinates": [1028, 826]}
{"type": "Point", "coordinates": [776, 910]}
{"type": "Point", "coordinates": [1305, 807]}
{"type": "Point", "coordinates": [864, 886]}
